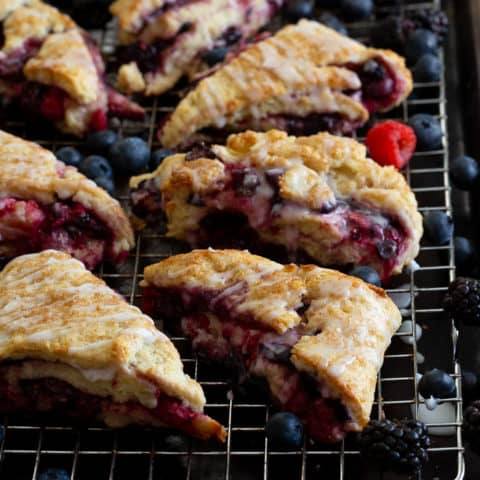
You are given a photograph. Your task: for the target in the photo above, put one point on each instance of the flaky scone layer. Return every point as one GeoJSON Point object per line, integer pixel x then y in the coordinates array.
{"type": "Point", "coordinates": [296, 60]}
{"type": "Point", "coordinates": [53, 309]}
{"type": "Point", "coordinates": [315, 170]}
{"type": "Point", "coordinates": [28, 171]}
{"type": "Point", "coordinates": [348, 323]}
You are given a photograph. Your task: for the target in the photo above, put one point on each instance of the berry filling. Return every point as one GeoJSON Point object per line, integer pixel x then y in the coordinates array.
{"type": "Point", "coordinates": [380, 86]}
{"type": "Point", "coordinates": [54, 395]}
{"type": "Point", "coordinates": [27, 226]}
{"type": "Point", "coordinates": [13, 62]}
{"type": "Point", "coordinates": [248, 212]}
{"type": "Point", "coordinates": [237, 340]}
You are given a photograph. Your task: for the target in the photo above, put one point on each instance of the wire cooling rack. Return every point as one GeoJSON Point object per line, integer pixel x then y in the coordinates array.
{"type": "Point", "coordinates": [31, 444]}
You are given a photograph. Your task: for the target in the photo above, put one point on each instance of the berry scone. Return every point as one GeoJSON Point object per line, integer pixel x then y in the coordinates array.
{"type": "Point", "coordinates": [71, 345]}
{"type": "Point", "coordinates": [45, 204]}
{"type": "Point", "coordinates": [316, 336]}
{"type": "Point", "coordinates": [305, 199]}
{"type": "Point", "coordinates": [53, 70]}
{"type": "Point", "coordinates": [305, 79]}
{"type": "Point", "coordinates": [165, 40]}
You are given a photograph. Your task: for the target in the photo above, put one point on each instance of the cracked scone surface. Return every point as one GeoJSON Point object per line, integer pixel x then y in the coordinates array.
{"type": "Point", "coordinates": [318, 194]}
{"type": "Point", "coordinates": [67, 324]}
{"type": "Point", "coordinates": [30, 172]}
{"type": "Point", "coordinates": [173, 31]}
{"type": "Point", "coordinates": [345, 324]}
{"type": "Point", "coordinates": [304, 69]}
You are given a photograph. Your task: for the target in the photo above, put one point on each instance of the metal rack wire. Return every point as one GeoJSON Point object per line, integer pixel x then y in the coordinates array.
{"type": "Point", "coordinates": [96, 452]}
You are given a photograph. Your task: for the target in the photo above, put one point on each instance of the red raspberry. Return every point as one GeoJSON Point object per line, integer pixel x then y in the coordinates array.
{"type": "Point", "coordinates": [98, 120]}
{"type": "Point", "coordinates": [391, 143]}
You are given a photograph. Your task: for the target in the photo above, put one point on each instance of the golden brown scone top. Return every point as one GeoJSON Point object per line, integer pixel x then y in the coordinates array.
{"type": "Point", "coordinates": [297, 59]}
{"type": "Point", "coordinates": [131, 13]}
{"type": "Point", "coordinates": [348, 323]}
{"type": "Point", "coordinates": [315, 169]}
{"type": "Point", "coordinates": [53, 309]}
{"type": "Point", "coordinates": [30, 172]}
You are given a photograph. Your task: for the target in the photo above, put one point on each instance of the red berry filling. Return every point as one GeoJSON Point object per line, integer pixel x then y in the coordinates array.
{"type": "Point", "coordinates": [13, 62]}
{"type": "Point", "coordinates": [26, 226]}
{"type": "Point", "coordinates": [239, 341]}
{"type": "Point", "coordinates": [391, 143]}
{"type": "Point", "coordinates": [53, 395]}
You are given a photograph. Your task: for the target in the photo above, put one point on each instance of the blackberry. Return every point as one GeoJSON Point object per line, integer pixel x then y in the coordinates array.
{"type": "Point", "coordinates": [388, 33]}
{"type": "Point", "coordinates": [471, 425]}
{"type": "Point", "coordinates": [462, 301]}
{"type": "Point", "coordinates": [400, 445]}
{"type": "Point", "coordinates": [428, 18]}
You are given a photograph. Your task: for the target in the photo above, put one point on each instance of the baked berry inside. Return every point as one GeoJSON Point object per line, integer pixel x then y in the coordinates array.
{"type": "Point", "coordinates": [239, 341]}
{"type": "Point", "coordinates": [27, 226]}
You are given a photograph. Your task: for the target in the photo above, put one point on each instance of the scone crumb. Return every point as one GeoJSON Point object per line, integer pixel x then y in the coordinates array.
{"type": "Point", "coordinates": [130, 78]}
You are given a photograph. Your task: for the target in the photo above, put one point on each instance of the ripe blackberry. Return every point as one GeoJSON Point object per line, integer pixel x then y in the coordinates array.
{"type": "Point", "coordinates": [400, 446]}
{"type": "Point", "coordinates": [429, 19]}
{"type": "Point", "coordinates": [471, 425]}
{"type": "Point", "coordinates": [462, 301]}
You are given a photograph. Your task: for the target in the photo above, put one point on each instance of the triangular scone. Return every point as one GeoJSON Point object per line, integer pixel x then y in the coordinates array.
{"type": "Point", "coordinates": [317, 336]}
{"type": "Point", "coordinates": [46, 204]}
{"type": "Point", "coordinates": [71, 345]}
{"type": "Point", "coordinates": [167, 40]}
{"type": "Point", "coordinates": [307, 78]}
{"type": "Point", "coordinates": [316, 199]}
{"type": "Point", "coordinates": [53, 70]}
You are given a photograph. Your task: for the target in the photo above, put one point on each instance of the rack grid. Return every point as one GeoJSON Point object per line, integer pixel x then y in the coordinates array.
{"type": "Point", "coordinates": [96, 452]}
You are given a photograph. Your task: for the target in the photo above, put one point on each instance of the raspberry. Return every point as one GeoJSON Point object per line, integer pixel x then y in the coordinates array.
{"type": "Point", "coordinates": [391, 143]}
{"type": "Point", "coordinates": [98, 120]}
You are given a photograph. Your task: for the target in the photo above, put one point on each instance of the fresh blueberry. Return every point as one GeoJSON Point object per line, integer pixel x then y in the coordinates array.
{"type": "Point", "coordinates": [96, 166]}
{"type": "Point", "coordinates": [427, 69]}
{"type": "Point", "coordinates": [427, 130]}
{"type": "Point", "coordinates": [297, 9]}
{"type": "Point", "coordinates": [469, 382]}
{"type": "Point", "coordinates": [465, 254]}
{"type": "Point", "coordinates": [438, 227]}
{"type": "Point", "coordinates": [130, 155]}
{"type": "Point", "coordinates": [436, 383]}
{"type": "Point", "coordinates": [419, 43]}
{"type": "Point", "coordinates": [158, 156]}
{"type": "Point", "coordinates": [106, 183]}
{"type": "Point", "coordinates": [331, 21]}
{"type": "Point", "coordinates": [54, 474]}
{"type": "Point", "coordinates": [367, 274]}
{"type": "Point", "coordinates": [215, 55]}
{"type": "Point", "coordinates": [285, 430]}
{"type": "Point", "coordinates": [101, 142]}
{"type": "Point", "coordinates": [69, 156]}
{"type": "Point", "coordinates": [464, 172]}
{"type": "Point", "coordinates": [356, 9]}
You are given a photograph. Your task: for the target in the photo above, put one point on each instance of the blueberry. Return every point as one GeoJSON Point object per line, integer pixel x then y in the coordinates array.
{"type": "Point", "coordinates": [367, 274]}
{"type": "Point", "coordinates": [54, 474]}
{"type": "Point", "coordinates": [419, 43]}
{"type": "Point", "coordinates": [96, 166]}
{"type": "Point", "coordinates": [427, 69]}
{"type": "Point", "coordinates": [465, 253]}
{"type": "Point", "coordinates": [285, 430]}
{"type": "Point", "coordinates": [130, 155]}
{"type": "Point", "coordinates": [297, 9]}
{"type": "Point", "coordinates": [464, 172]}
{"type": "Point", "coordinates": [331, 21]}
{"type": "Point", "coordinates": [106, 183]}
{"type": "Point", "coordinates": [215, 55]}
{"type": "Point", "coordinates": [69, 156]}
{"type": "Point", "coordinates": [158, 156]}
{"type": "Point", "coordinates": [427, 130]}
{"type": "Point", "coordinates": [100, 142]}
{"type": "Point", "coordinates": [469, 382]}
{"type": "Point", "coordinates": [438, 227]}
{"type": "Point", "coordinates": [356, 9]}
{"type": "Point", "coordinates": [436, 383]}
